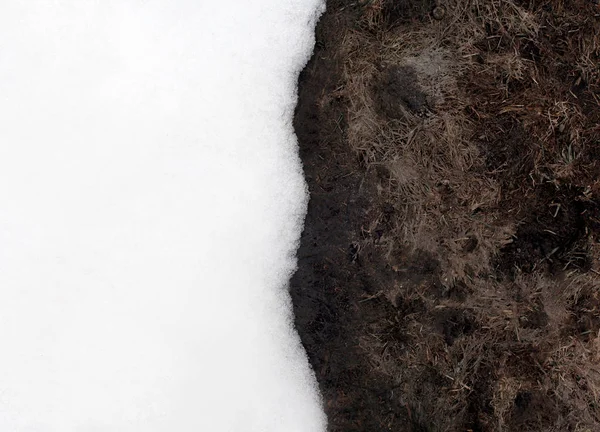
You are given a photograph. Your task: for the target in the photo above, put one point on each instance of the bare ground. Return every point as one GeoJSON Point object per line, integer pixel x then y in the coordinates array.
{"type": "Point", "coordinates": [449, 274]}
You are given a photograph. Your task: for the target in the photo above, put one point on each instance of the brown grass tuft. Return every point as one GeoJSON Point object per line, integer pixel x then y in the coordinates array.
{"type": "Point", "coordinates": [472, 124]}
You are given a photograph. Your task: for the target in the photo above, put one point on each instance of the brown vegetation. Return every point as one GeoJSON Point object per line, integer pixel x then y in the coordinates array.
{"type": "Point", "coordinates": [449, 270]}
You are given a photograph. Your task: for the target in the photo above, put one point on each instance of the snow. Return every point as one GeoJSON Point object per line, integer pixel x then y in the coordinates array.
{"type": "Point", "coordinates": [151, 202]}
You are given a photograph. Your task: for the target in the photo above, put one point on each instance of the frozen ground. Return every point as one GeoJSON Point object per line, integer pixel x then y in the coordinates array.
{"type": "Point", "coordinates": [151, 200]}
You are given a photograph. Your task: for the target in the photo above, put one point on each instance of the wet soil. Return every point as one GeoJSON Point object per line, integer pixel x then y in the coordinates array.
{"type": "Point", "coordinates": [401, 340]}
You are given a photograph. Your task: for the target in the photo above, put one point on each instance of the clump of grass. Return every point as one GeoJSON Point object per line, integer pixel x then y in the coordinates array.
{"type": "Point", "coordinates": [512, 105]}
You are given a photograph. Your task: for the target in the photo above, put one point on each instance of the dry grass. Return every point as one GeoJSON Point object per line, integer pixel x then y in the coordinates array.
{"type": "Point", "coordinates": [511, 106]}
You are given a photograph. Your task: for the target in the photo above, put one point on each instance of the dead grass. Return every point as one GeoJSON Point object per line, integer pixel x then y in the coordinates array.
{"type": "Point", "coordinates": [512, 105]}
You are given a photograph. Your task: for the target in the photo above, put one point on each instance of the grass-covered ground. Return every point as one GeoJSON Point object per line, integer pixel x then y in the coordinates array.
{"type": "Point", "coordinates": [449, 269]}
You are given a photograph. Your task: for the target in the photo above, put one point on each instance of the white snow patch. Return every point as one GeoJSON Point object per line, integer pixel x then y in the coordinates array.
{"type": "Point", "coordinates": [151, 202]}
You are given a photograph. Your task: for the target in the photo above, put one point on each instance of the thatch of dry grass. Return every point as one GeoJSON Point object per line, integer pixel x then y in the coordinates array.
{"type": "Point", "coordinates": [512, 105]}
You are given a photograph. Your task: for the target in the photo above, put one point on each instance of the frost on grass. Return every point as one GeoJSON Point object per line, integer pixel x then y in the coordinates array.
{"type": "Point", "coordinates": [151, 201]}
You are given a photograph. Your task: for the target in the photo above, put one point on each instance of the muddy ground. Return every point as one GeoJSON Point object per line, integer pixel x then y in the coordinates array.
{"type": "Point", "coordinates": [449, 274]}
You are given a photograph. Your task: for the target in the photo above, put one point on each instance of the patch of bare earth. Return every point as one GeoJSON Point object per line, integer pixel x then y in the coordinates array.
{"type": "Point", "coordinates": [449, 274]}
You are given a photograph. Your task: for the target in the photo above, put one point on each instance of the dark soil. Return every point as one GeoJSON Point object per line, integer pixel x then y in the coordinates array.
{"type": "Point", "coordinates": [448, 269]}
{"type": "Point", "coordinates": [398, 90]}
